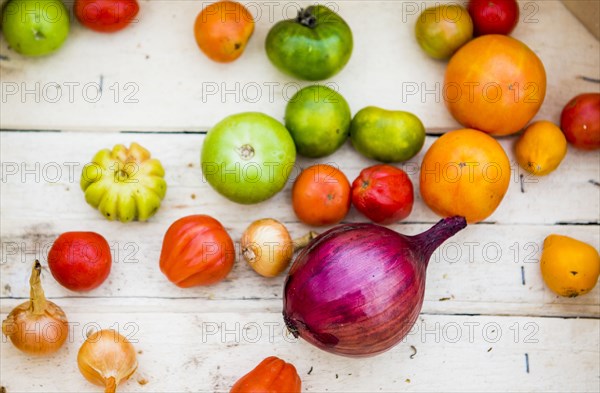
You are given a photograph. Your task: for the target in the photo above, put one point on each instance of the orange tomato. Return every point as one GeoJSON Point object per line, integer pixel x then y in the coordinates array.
{"type": "Point", "coordinates": [272, 375]}
{"type": "Point", "coordinates": [466, 173]}
{"type": "Point", "coordinates": [223, 29]}
{"type": "Point", "coordinates": [321, 195]}
{"type": "Point", "coordinates": [495, 84]}
{"type": "Point", "coordinates": [196, 250]}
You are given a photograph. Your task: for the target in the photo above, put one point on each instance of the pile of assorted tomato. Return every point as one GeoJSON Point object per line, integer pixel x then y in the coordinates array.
{"type": "Point", "coordinates": [248, 158]}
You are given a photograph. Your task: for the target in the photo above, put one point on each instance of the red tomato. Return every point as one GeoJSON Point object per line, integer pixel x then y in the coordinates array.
{"type": "Point", "coordinates": [321, 195]}
{"type": "Point", "coordinates": [80, 261]}
{"type": "Point", "coordinates": [383, 193]}
{"type": "Point", "coordinates": [494, 16]}
{"type": "Point", "coordinates": [196, 250]}
{"type": "Point", "coordinates": [580, 121]}
{"type": "Point", "coordinates": [106, 16]}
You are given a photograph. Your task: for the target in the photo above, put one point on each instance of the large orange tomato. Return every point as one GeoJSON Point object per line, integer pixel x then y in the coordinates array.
{"type": "Point", "coordinates": [495, 84]}
{"type": "Point", "coordinates": [321, 195]}
{"type": "Point", "coordinates": [272, 375]}
{"type": "Point", "coordinates": [196, 250]}
{"type": "Point", "coordinates": [223, 29]}
{"type": "Point", "coordinates": [465, 173]}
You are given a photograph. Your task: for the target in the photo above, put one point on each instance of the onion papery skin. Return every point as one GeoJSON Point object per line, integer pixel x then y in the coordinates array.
{"type": "Point", "coordinates": [357, 289]}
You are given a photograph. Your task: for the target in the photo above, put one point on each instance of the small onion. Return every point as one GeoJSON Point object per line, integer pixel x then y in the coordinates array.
{"type": "Point", "coordinates": [38, 326]}
{"type": "Point", "coordinates": [106, 359]}
{"type": "Point", "coordinates": [357, 289]}
{"type": "Point", "coordinates": [268, 247]}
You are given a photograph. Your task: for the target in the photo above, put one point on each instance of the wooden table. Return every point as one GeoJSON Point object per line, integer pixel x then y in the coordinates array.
{"type": "Point", "coordinates": [488, 322]}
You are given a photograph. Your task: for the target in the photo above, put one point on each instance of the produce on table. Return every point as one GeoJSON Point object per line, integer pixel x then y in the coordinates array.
{"type": "Point", "coordinates": [383, 193]}
{"type": "Point", "coordinates": [385, 135]}
{"type": "Point", "coordinates": [124, 184]}
{"type": "Point", "coordinates": [268, 247]}
{"type": "Point", "coordinates": [465, 172]}
{"type": "Point", "coordinates": [38, 326]}
{"type": "Point", "coordinates": [107, 359]}
{"type": "Point", "coordinates": [442, 29]}
{"type": "Point", "coordinates": [223, 29]}
{"type": "Point", "coordinates": [272, 375]}
{"type": "Point", "coordinates": [569, 267]}
{"type": "Point", "coordinates": [580, 121]}
{"type": "Point", "coordinates": [495, 84]}
{"type": "Point", "coordinates": [318, 118]}
{"type": "Point", "coordinates": [314, 46]}
{"type": "Point", "coordinates": [35, 27]}
{"type": "Point", "coordinates": [80, 261]}
{"type": "Point", "coordinates": [248, 157]}
{"type": "Point", "coordinates": [196, 250]}
{"type": "Point", "coordinates": [321, 195]}
{"type": "Point", "coordinates": [494, 16]}
{"type": "Point", "coordinates": [357, 289]}
{"type": "Point", "coordinates": [106, 16]}
{"type": "Point", "coordinates": [541, 148]}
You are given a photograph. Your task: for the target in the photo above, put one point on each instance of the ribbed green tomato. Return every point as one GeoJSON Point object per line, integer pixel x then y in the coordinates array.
{"type": "Point", "coordinates": [124, 184]}
{"type": "Point", "coordinates": [248, 157]}
{"type": "Point", "coordinates": [35, 27]}
{"type": "Point", "coordinates": [314, 46]}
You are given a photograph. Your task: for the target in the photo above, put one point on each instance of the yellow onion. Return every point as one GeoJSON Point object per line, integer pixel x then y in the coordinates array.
{"type": "Point", "coordinates": [106, 359]}
{"type": "Point", "coordinates": [38, 326]}
{"type": "Point", "coordinates": [268, 247]}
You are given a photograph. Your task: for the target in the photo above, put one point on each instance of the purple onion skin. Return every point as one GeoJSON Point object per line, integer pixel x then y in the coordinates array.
{"type": "Point", "coordinates": [357, 289]}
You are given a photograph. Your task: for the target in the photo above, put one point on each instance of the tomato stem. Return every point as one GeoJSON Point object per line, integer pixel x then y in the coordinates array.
{"type": "Point", "coordinates": [306, 17]}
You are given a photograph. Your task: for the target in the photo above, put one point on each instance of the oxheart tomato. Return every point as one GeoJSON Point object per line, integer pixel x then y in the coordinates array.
{"type": "Point", "coordinates": [196, 250]}
{"type": "Point", "coordinates": [321, 195]}
{"type": "Point", "coordinates": [580, 121]}
{"type": "Point", "coordinates": [495, 84]}
{"type": "Point", "coordinates": [314, 46]}
{"type": "Point", "coordinates": [35, 27]}
{"type": "Point", "coordinates": [106, 16]}
{"type": "Point", "coordinates": [223, 29]}
{"type": "Point", "coordinates": [272, 375]}
{"type": "Point", "coordinates": [80, 261]}
{"type": "Point", "coordinates": [494, 16]}
{"type": "Point", "coordinates": [383, 193]}
{"type": "Point", "coordinates": [248, 157]}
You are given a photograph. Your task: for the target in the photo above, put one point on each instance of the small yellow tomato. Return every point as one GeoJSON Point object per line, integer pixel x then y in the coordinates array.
{"type": "Point", "coordinates": [569, 267]}
{"type": "Point", "coordinates": [541, 148]}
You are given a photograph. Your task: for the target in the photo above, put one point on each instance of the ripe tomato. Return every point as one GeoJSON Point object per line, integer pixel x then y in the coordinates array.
{"type": "Point", "coordinates": [383, 193]}
{"type": "Point", "coordinates": [465, 173]}
{"type": "Point", "coordinates": [321, 195]}
{"type": "Point", "coordinates": [495, 84]}
{"type": "Point", "coordinates": [106, 16]}
{"type": "Point", "coordinates": [80, 261]}
{"type": "Point", "coordinates": [580, 121]}
{"type": "Point", "coordinates": [223, 29]}
{"type": "Point", "coordinates": [494, 16]}
{"type": "Point", "coordinates": [196, 250]}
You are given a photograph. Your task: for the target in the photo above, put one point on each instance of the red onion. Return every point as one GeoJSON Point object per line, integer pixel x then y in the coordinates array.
{"type": "Point", "coordinates": [357, 289]}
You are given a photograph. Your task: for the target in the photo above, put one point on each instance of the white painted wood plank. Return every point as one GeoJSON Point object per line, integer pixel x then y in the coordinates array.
{"type": "Point", "coordinates": [172, 80]}
{"type": "Point", "coordinates": [207, 352]}
{"type": "Point", "coordinates": [477, 262]}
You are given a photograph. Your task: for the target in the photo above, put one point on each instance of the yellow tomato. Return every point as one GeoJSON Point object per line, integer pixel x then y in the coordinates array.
{"type": "Point", "coordinates": [541, 148]}
{"type": "Point", "coordinates": [569, 267]}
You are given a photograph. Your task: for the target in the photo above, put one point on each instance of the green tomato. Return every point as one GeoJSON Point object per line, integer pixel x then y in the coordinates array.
{"type": "Point", "coordinates": [319, 120]}
{"type": "Point", "coordinates": [124, 184]}
{"type": "Point", "coordinates": [314, 46]}
{"type": "Point", "coordinates": [387, 136]}
{"type": "Point", "coordinates": [441, 30]}
{"type": "Point", "coordinates": [248, 157]}
{"type": "Point", "coordinates": [35, 27]}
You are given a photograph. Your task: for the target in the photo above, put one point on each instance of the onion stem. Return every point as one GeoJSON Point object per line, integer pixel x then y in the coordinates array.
{"type": "Point", "coordinates": [303, 241]}
{"type": "Point", "coordinates": [111, 385]}
{"type": "Point", "coordinates": [36, 293]}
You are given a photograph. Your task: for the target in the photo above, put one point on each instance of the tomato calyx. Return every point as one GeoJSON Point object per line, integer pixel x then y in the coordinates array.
{"type": "Point", "coordinates": [246, 152]}
{"type": "Point", "coordinates": [306, 17]}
